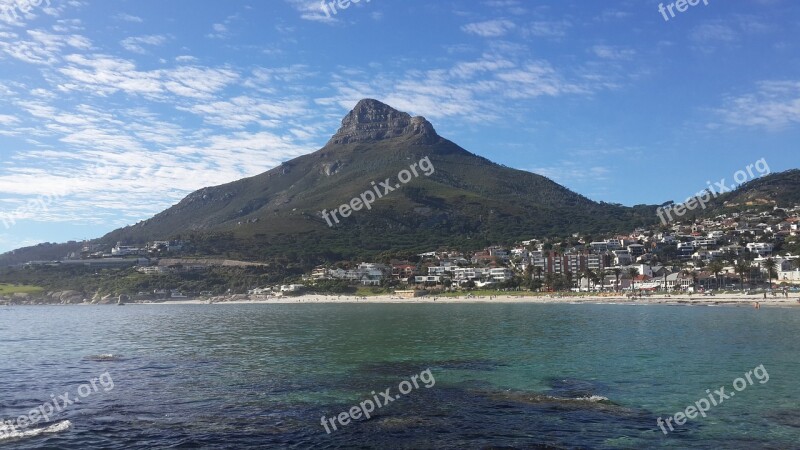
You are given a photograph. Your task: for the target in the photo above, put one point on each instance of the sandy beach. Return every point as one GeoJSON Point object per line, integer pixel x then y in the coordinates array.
{"type": "Point", "coordinates": [683, 299]}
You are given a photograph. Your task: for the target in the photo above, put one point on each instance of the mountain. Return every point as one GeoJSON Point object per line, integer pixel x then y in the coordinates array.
{"type": "Point", "coordinates": [466, 201]}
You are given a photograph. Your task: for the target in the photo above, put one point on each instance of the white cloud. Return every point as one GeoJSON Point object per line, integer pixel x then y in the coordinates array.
{"type": "Point", "coordinates": [239, 112]}
{"type": "Point", "coordinates": [613, 53]}
{"type": "Point", "coordinates": [490, 28]}
{"type": "Point", "coordinates": [774, 105]}
{"type": "Point", "coordinates": [548, 29]}
{"type": "Point", "coordinates": [219, 31]}
{"type": "Point", "coordinates": [312, 10]}
{"type": "Point", "coordinates": [711, 32]}
{"type": "Point", "coordinates": [42, 47]}
{"type": "Point", "coordinates": [128, 18]}
{"type": "Point", "coordinates": [105, 75]}
{"type": "Point", "coordinates": [7, 120]}
{"type": "Point", "coordinates": [136, 43]}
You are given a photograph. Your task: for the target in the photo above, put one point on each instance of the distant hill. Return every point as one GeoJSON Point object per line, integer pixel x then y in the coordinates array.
{"type": "Point", "coordinates": [466, 202]}
{"type": "Point", "coordinates": [42, 252]}
{"type": "Point", "coordinates": [778, 189]}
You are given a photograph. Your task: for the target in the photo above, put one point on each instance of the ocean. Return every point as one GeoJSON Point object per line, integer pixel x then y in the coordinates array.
{"type": "Point", "coordinates": [459, 376]}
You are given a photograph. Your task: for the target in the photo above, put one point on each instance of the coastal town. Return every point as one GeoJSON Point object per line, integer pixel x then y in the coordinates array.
{"type": "Point", "coordinates": [755, 250]}
{"type": "Point", "coordinates": [728, 252]}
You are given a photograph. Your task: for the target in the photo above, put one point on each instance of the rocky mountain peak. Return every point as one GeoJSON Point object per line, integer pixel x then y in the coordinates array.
{"type": "Point", "coordinates": [372, 120]}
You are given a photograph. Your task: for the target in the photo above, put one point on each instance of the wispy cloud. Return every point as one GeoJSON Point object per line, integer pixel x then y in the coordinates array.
{"type": "Point", "coordinates": [613, 53]}
{"type": "Point", "coordinates": [489, 28]}
{"type": "Point", "coordinates": [136, 43]}
{"type": "Point", "coordinates": [548, 29]}
{"type": "Point", "coordinates": [105, 75]}
{"type": "Point", "coordinates": [774, 105]}
{"type": "Point", "coordinates": [41, 47]}
{"type": "Point", "coordinates": [128, 18]}
{"type": "Point", "coordinates": [311, 10]}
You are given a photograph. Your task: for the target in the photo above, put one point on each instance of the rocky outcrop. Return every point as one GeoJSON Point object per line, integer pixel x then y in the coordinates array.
{"type": "Point", "coordinates": [65, 297]}
{"type": "Point", "coordinates": [372, 120]}
{"type": "Point", "coordinates": [48, 298]}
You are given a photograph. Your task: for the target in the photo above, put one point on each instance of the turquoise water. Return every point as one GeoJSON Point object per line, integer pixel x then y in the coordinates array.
{"type": "Point", "coordinates": [513, 376]}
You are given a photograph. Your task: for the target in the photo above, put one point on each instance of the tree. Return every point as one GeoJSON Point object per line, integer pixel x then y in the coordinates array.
{"type": "Point", "coordinates": [716, 267]}
{"type": "Point", "coordinates": [595, 278]}
{"type": "Point", "coordinates": [741, 268]}
{"type": "Point", "coordinates": [770, 265]}
{"type": "Point", "coordinates": [617, 272]}
{"type": "Point", "coordinates": [528, 275]}
{"type": "Point", "coordinates": [590, 276]}
{"type": "Point", "coordinates": [549, 281]}
{"type": "Point", "coordinates": [633, 272]}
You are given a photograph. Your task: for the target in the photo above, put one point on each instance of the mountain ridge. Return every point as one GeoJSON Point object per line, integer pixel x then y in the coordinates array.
{"type": "Point", "coordinates": [467, 202]}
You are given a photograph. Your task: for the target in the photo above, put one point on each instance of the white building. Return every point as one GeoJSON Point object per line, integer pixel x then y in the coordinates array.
{"type": "Point", "coordinates": [762, 248]}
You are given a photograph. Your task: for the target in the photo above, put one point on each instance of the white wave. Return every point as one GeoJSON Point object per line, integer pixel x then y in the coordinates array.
{"type": "Point", "coordinates": [103, 357]}
{"type": "Point", "coordinates": [12, 432]}
{"type": "Point", "coordinates": [593, 398]}
{"type": "Point", "coordinates": [586, 398]}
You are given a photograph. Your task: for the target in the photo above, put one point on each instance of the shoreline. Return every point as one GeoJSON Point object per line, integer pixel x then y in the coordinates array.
{"type": "Point", "coordinates": [677, 300]}
{"type": "Point", "coordinates": [738, 300]}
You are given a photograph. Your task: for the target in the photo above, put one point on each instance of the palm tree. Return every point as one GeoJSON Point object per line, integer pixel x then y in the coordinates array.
{"type": "Point", "coordinates": [770, 265]}
{"type": "Point", "coordinates": [589, 275]}
{"type": "Point", "coordinates": [633, 272]}
{"type": "Point", "coordinates": [616, 271]}
{"type": "Point", "coordinates": [716, 267]}
{"type": "Point", "coordinates": [595, 278]}
{"type": "Point", "coordinates": [685, 272]}
{"type": "Point", "coordinates": [741, 268]}
{"type": "Point", "coordinates": [528, 275]}
{"type": "Point", "coordinates": [549, 281]}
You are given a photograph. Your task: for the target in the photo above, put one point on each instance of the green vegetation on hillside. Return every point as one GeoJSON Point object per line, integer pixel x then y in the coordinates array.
{"type": "Point", "coordinates": [8, 289]}
{"type": "Point", "coordinates": [216, 280]}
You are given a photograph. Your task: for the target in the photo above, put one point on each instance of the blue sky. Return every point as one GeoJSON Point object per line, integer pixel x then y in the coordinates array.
{"type": "Point", "coordinates": [112, 111]}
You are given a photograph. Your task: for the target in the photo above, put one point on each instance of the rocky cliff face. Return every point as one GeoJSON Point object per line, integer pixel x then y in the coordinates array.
{"type": "Point", "coordinates": [372, 120]}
